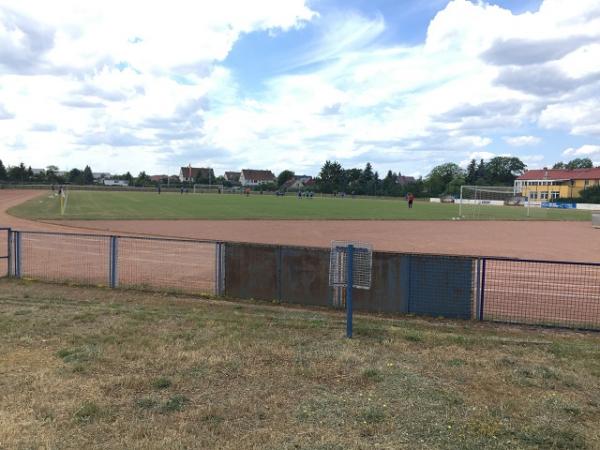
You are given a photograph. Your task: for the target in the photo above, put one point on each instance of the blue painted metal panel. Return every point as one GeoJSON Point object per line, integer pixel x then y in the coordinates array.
{"type": "Point", "coordinates": [441, 286]}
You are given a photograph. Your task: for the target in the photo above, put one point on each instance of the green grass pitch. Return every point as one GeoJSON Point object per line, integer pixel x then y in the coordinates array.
{"type": "Point", "coordinates": [147, 205]}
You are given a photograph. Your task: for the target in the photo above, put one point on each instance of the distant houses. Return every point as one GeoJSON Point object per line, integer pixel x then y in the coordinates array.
{"type": "Point", "coordinates": [298, 182]}
{"type": "Point", "coordinates": [251, 177]}
{"type": "Point", "coordinates": [190, 174]}
{"type": "Point", "coordinates": [232, 177]}
{"type": "Point", "coordinates": [403, 180]}
{"type": "Point", "coordinates": [111, 182]}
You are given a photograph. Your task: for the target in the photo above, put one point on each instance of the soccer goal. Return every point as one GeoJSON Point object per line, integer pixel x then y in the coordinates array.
{"type": "Point", "coordinates": [484, 202]}
{"type": "Point", "coordinates": [208, 188]}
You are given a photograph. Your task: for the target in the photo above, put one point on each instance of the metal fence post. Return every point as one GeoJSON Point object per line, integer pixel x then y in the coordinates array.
{"type": "Point", "coordinates": [482, 291]}
{"type": "Point", "coordinates": [17, 243]}
{"type": "Point", "coordinates": [350, 283]}
{"type": "Point", "coordinates": [219, 266]}
{"type": "Point", "coordinates": [9, 244]}
{"type": "Point", "coordinates": [477, 287]}
{"type": "Point", "coordinates": [113, 262]}
{"type": "Point", "coordinates": [279, 270]}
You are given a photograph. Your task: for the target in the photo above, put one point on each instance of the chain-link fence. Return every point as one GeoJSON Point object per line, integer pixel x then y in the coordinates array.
{"type": "Point", "coordinates": [71, 258]}
{"type": "Point", "coordinates": [170, 264]}
{"type": "Point", "coordinates": [152, 263]}
{"type": "Point", "coordinates": [565, 294]}
{"type": "Point", "coordinates": [5, 250]}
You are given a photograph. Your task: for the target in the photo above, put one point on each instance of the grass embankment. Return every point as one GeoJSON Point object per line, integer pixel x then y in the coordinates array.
{"type": "Point", "coordinates": [121, 369]}
{"type": "Point", "coordinates": [147, 205]}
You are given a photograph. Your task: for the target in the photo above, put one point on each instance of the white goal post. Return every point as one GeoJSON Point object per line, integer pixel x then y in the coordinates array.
{"type": "Point", "coordinates": [208, 188]}
{"type": "Point", "coordinates": [473, 199]}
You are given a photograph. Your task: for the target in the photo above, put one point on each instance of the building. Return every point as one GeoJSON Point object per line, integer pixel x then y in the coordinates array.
{"type": "Point", "coordinates": [297, 182]}
{"type": "Point", "coordinates": [108, 182]}
{"type": "Point", "coordinates": [550, 184]}
{"type": "Point", "coordinates": [99, 176]}
{"type": "Point", "coordinates": [250, 177]}
{"type": "Point", "coordinates": [232, 177]}
{"type": "Point", "coordinates": [159, 178]}
{"type": "Point", "coordinates": [190, 174]}
{"type": "Point", "coordinates": [403, 180]}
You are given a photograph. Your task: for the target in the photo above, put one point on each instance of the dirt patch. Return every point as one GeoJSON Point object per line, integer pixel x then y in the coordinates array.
{"type": "Point", "coordinates": [576, 241]}
{"type": "Point", "coordinates": [536, 240]}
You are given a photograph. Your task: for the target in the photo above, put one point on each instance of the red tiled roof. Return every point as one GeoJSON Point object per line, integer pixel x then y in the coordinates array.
{"type": "Point", "coordinates": [561, 174]}
{"type": "Point", "coordinates": [258, 175]}
{"type": "Point", "coordinates": [194, 171]}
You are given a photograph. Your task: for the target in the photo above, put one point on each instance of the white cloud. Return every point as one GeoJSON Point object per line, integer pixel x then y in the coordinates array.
{"type": "Point", "coordinates": [84, 83]}
{"type": "Point", "coordinates": [477, 156]}
{"type": "Point", "coordinates": [520, 141]}
{"type": "Point", "coordinates": [585, 151]}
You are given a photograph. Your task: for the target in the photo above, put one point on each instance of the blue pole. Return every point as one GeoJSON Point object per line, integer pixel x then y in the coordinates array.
{"type": "Point", "coordinates": [482, 292]}
{"type": "Point", "coordinates": [350, 282]}
{"type": "Point", "coordinates": [9, 238]}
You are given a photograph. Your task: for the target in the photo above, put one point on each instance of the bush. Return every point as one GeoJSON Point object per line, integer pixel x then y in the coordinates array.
{"type": "Point", "coordinates": [590, 195]}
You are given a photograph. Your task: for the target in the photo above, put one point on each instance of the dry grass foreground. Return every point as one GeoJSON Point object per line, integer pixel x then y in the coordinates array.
{"type": "Point", "coordinates": [120, 369]}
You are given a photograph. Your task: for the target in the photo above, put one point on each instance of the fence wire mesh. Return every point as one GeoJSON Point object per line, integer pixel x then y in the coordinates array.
{"type": "Point", "coordinates": [4, 252]}
{"type": "Point", "coordinates": [186, 266]}
{"type": "Point", "coordinates": [542, 293]}
{"type": "Point", "coordinates": [362, 264]}
{"type": "Point", "coordinates": [81, 259]}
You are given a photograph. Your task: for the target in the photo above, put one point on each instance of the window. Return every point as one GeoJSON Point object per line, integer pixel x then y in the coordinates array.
{"type": "Point", "coordinates": [533, 195]}
{"type": "Point", "coordinates": [554, 195]}
{"type": "Point", "coordinates": [544, 195]}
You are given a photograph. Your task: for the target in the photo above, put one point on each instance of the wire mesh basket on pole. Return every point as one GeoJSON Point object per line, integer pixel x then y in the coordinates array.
{"type": "Point", "coordinates": [350, 266]}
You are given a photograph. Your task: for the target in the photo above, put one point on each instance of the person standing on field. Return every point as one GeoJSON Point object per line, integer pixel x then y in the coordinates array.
{"type": "Point", "coordinates": [410, 199]}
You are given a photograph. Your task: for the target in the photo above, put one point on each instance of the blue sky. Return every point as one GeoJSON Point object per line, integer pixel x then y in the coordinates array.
{"type": "Point", "coordinates": [287, 84]}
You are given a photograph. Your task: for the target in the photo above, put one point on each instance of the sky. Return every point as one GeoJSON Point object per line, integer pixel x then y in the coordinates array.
{"type": "Point", "coordinates": [288, 84]}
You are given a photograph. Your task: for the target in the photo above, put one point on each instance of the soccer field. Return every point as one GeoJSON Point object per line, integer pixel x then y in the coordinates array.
{"type": "Point", "coordinates": [148, 205]}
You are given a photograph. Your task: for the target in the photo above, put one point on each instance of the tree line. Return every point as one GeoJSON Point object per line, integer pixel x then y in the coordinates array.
{"type": "Point", "coordinates": [52, 175]}
{"type": "Point", "coordinates": [444, 179]}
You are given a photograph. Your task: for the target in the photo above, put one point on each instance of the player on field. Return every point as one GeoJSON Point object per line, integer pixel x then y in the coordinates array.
{"type": "Point", "coordinates": [410, 199]}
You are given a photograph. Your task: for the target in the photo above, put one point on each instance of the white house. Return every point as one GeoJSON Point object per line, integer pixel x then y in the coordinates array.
{"type": "Point", "coordinates": [108, 182]}
{"type": "Point", "coordinates": [250, 177]}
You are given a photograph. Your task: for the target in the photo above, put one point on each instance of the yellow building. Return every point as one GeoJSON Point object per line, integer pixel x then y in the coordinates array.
{"type": "Point", "coordinates": [550, 184]}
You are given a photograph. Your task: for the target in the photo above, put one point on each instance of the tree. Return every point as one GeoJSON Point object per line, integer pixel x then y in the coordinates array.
{"type": "Point", "coordinates": [29, 173]}
{"type": "Point", "coordinates": [17, 173]}
{"type": "Point", "coordinates": [559, 165]}
{"type": "Point", "coordinates": [127, 176]}
{"type": "Point", "coordinates": [590, 195]}
{"type": "Point", "coordinates": [480, 172]}
{"type": "Point", "coordinates": [352, 180]}
{"type": "Point", "coordinates": [471, 177]}
{"type": "Point", "coordinates": [331, 177]}
{"type": "Point", "coordinates": [75, 176]}
{"type": "Point", "coordinates": [503, 170]}
{"type": "Point", "coordinates": [440, 178]}
{"type": "Point", "coordinates": [367, 180]}
{"type": "Point", "coordinates": [3, 174]}
{"type": "Point", "coordinates": [52, 168]}
{"type": "Point", "coordinates": [389, 184]}
{"type": "Point", "coordinates": [88, 176]}
{"type": "Point", "coordinates": [580, 163]}
{"type": "Point", "coordinates": [284, 176]}
{"type": "Point", "coordinates": [142, 179]}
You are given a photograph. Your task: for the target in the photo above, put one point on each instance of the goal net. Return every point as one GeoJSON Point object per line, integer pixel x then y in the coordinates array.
{"type": "Point", "coordinates": [491, 202]}
{"type": "Point", "coordinates": [208, 188]}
